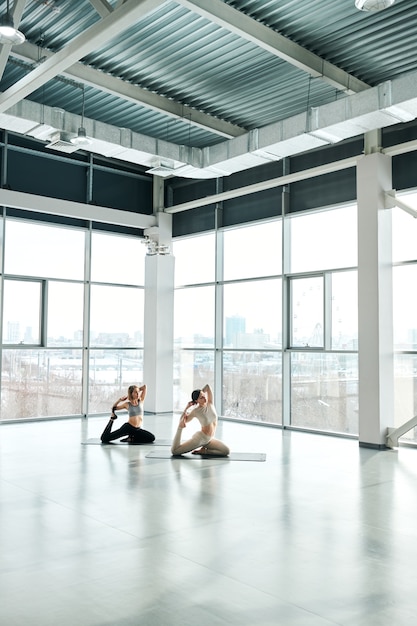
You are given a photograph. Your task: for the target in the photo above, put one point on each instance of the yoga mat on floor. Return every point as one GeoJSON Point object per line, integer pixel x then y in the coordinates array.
{"type": "Point", "coordinates": [95, 441]}
{"type": "Point", "coordinates": [233, 456]}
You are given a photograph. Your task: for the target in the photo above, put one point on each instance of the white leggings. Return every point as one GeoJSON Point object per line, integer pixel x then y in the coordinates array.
{"type": "Point", "coordinates": [197, 440]}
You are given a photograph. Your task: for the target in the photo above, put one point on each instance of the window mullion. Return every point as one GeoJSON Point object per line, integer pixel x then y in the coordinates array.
{"type": "Point", "coordinates": [327, 309]}
{"type": "Point", "coordinates": [44, 314]}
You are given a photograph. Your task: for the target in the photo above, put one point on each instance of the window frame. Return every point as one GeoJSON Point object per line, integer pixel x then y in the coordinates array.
{"type": "Point", "coordinates": [43, 304]}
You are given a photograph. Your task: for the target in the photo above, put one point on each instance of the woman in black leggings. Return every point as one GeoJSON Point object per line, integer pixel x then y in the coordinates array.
{"type": "Point", "coordinates": [133, 404]}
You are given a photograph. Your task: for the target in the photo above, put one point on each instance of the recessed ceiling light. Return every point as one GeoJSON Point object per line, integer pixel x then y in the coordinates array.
{"type": "Point", "coordinates": [373, 5]}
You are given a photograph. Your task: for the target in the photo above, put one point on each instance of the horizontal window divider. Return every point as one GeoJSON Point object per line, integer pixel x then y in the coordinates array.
{"type": "Point", "coordinates": [102, 284]}
{"type": "Point", "coordinates": [39, 279]}
{"type": "Point", "coordinates": [251, 279]}
{"type": "Point", "coordinates": [412, 352]}
{"type": "Point", "coordinates": [193, 349]}
{"type": "Point", "coordinates": [320, 350]}
{"type": "Point", "coordinates": [98, 347]}
{"type": "Point", "coordinates": [404, 263]}
{"type": "Point", "coordinates": [24, 346]}
{"type": "Point", "coordinates": [332, 270]}
{"type": "Point", "coordinates": [263, 350]}
{"type": "Point", "coordinates": [232, 281]}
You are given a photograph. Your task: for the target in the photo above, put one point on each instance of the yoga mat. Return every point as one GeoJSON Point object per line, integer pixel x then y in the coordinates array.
{"type": "Point", "coordinates": [95, 441]}
{"type": "Point", "coordinates": [233, 456]}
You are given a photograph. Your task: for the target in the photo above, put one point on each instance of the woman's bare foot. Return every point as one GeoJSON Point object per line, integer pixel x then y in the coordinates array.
{"type": "Point", "coordinates": [201, 450]}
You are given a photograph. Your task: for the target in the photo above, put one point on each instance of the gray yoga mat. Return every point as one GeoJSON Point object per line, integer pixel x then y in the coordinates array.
{"type": "Point", "coordinates": [233, 456]}
{"type": "Point", "coordinates": [95, 441]}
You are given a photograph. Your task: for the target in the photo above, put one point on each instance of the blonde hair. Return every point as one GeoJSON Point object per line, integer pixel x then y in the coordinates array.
{"type": "Point", "coordinates": [130, 391]}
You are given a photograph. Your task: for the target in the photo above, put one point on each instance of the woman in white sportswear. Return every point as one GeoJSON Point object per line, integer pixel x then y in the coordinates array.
{"type": "Point", "coordinates": [203, 441]}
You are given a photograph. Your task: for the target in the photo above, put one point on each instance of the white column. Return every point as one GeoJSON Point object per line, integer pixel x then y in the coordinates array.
{"type": "Point", "coordinates": [158, 359]}
{"type": "Point", "coordinates": [376, 371]}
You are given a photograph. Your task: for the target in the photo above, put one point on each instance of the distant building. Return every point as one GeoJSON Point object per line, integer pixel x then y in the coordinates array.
{"type": "Point", "coordinates": [252, 341]}
{"type": "Point", "coordinates": [235, 326]}
{"type": "Point", "coordinates": [13, 332]}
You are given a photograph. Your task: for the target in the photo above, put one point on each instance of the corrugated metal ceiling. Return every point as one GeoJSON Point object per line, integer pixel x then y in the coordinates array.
{"type": "Point", "coordinates": [190, 59]}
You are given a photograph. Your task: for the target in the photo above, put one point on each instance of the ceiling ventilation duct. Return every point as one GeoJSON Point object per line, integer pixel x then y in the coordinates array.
{"type": "Point", "coordinates": [161, 170]}
{"type": "Point", "coordinates": [387, 104]}
{"type": "Point", "coordinates": [165, 168]}
{"type": "Point", "coordinates": [59, 141]}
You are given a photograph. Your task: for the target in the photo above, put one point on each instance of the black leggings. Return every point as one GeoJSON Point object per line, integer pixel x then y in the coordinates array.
{"type": "Point", "coordinates": [136, 435]}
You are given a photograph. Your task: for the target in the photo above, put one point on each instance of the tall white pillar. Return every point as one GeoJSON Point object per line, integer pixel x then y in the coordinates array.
{"type": "Point", "coordinates": [376, 370]}
{"type": "Point", "coordinates": [158, 359]}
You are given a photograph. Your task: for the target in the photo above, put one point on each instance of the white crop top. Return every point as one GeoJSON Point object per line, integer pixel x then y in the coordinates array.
{"type": "Point", "coordinates": [206, 415]}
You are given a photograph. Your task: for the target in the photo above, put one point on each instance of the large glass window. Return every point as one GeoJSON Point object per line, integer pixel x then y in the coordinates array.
{"type": "Point", "coordinates": [405, 371]}
{"type": "Point", "coordinates": [110, 374]}
{"type": "Point", "coordinates": [192, 370]}
{"type": "Point", "coordinates": [116, 316]}
{"type": "Point", "coordinates": [324, 384]}
{"type": "Point", "coordinates": [22, 312]}
{"type": "Point", "coordinates": [252, 371]}
{"type": "Point", "coordinates": [309, 299]}
{"type": "Point", "coordinates": [404, 230]}
{"type": "Point", "coordinates": [251, 309]}
{"type": "Point", "coordinates": [252, 386]}
{"type": "Point", "coordinates": [65, 314]}
{"type": "Point", "coordinates": [405, 307]}
{"type": "Point", "coordinates": [234, 274]}
{"type": "Point", "coordinates": [47, 297]}
{"type": "Point", "coordinates": [324, 320]}
{"type": "Point", "coordinates": [344, 310]}
{"type": "Point", "coordinates": [307, 312]}
{"type": "Point", "coordinates": [324, 240]}
{"type": "Point", "coordinates": [195, 259]}
{"type": "Point", "coordinates": [252, 314]}
{"type": "Point", "coordinates": [194, 317]}
{"type": "Point", "coordinates": [34, 249]}
{"type": "Point", "coordinates": [252, 322]}
{"type": "Point", "coordinates": [324, 391]}
{"type": "Point", "coordinates": [117, 259]}
{"type": "Point", "coordinates": [405, 312]}
{"type": "Point", "coordinates": [41, 383]}
{"type": "Point", "coordinates": [253, 251]}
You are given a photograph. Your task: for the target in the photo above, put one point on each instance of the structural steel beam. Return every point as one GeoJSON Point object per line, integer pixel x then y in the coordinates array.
{"type": "Point", "coordinates": [133, 93]}
{"type": "Point", "coordinates": [92, 38]}
{"type": "Point", "coordinates": [79, 210]}
{"type": "Point", "coordinates": [267, 184]}
{"type": "Point", "coordinates": [237, 22]}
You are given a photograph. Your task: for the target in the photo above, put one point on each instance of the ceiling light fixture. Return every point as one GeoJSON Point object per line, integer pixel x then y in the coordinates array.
{"type": "Point", "coordinates": [8, 33]}
{"type": "Point", "coordinates": [373, 5]}
{"type": "Point", "coordinates": [81, 138]}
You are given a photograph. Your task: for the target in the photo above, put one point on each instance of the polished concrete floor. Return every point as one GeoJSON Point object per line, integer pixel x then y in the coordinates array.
{"type": "Point", "coordinates": [322, 533]}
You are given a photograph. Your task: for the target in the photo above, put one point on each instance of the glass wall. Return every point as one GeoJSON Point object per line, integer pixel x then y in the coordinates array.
{"type": "Point", "coordinates": [194, 316]}
{"type": "Point", "coordinates": [251, 322]}
{"type": "Point", "coordinates": [324, 391]}
{"type": "Point", "coordinates": [270, 323]}
{"type": "Point", "coordinates": [323, 326]}
{"type": "Point", "coordinates": [252, 343]}
{"type": "Point", "coordinates": [72, 338]}
{"type": "Point", "coordinates": [405, 314]}
{"type": "Point", "coordinates": [269, 334]}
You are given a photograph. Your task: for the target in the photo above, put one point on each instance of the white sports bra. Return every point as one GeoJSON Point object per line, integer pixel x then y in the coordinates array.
{"type": "Point", "coordinates": [206, 415]}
